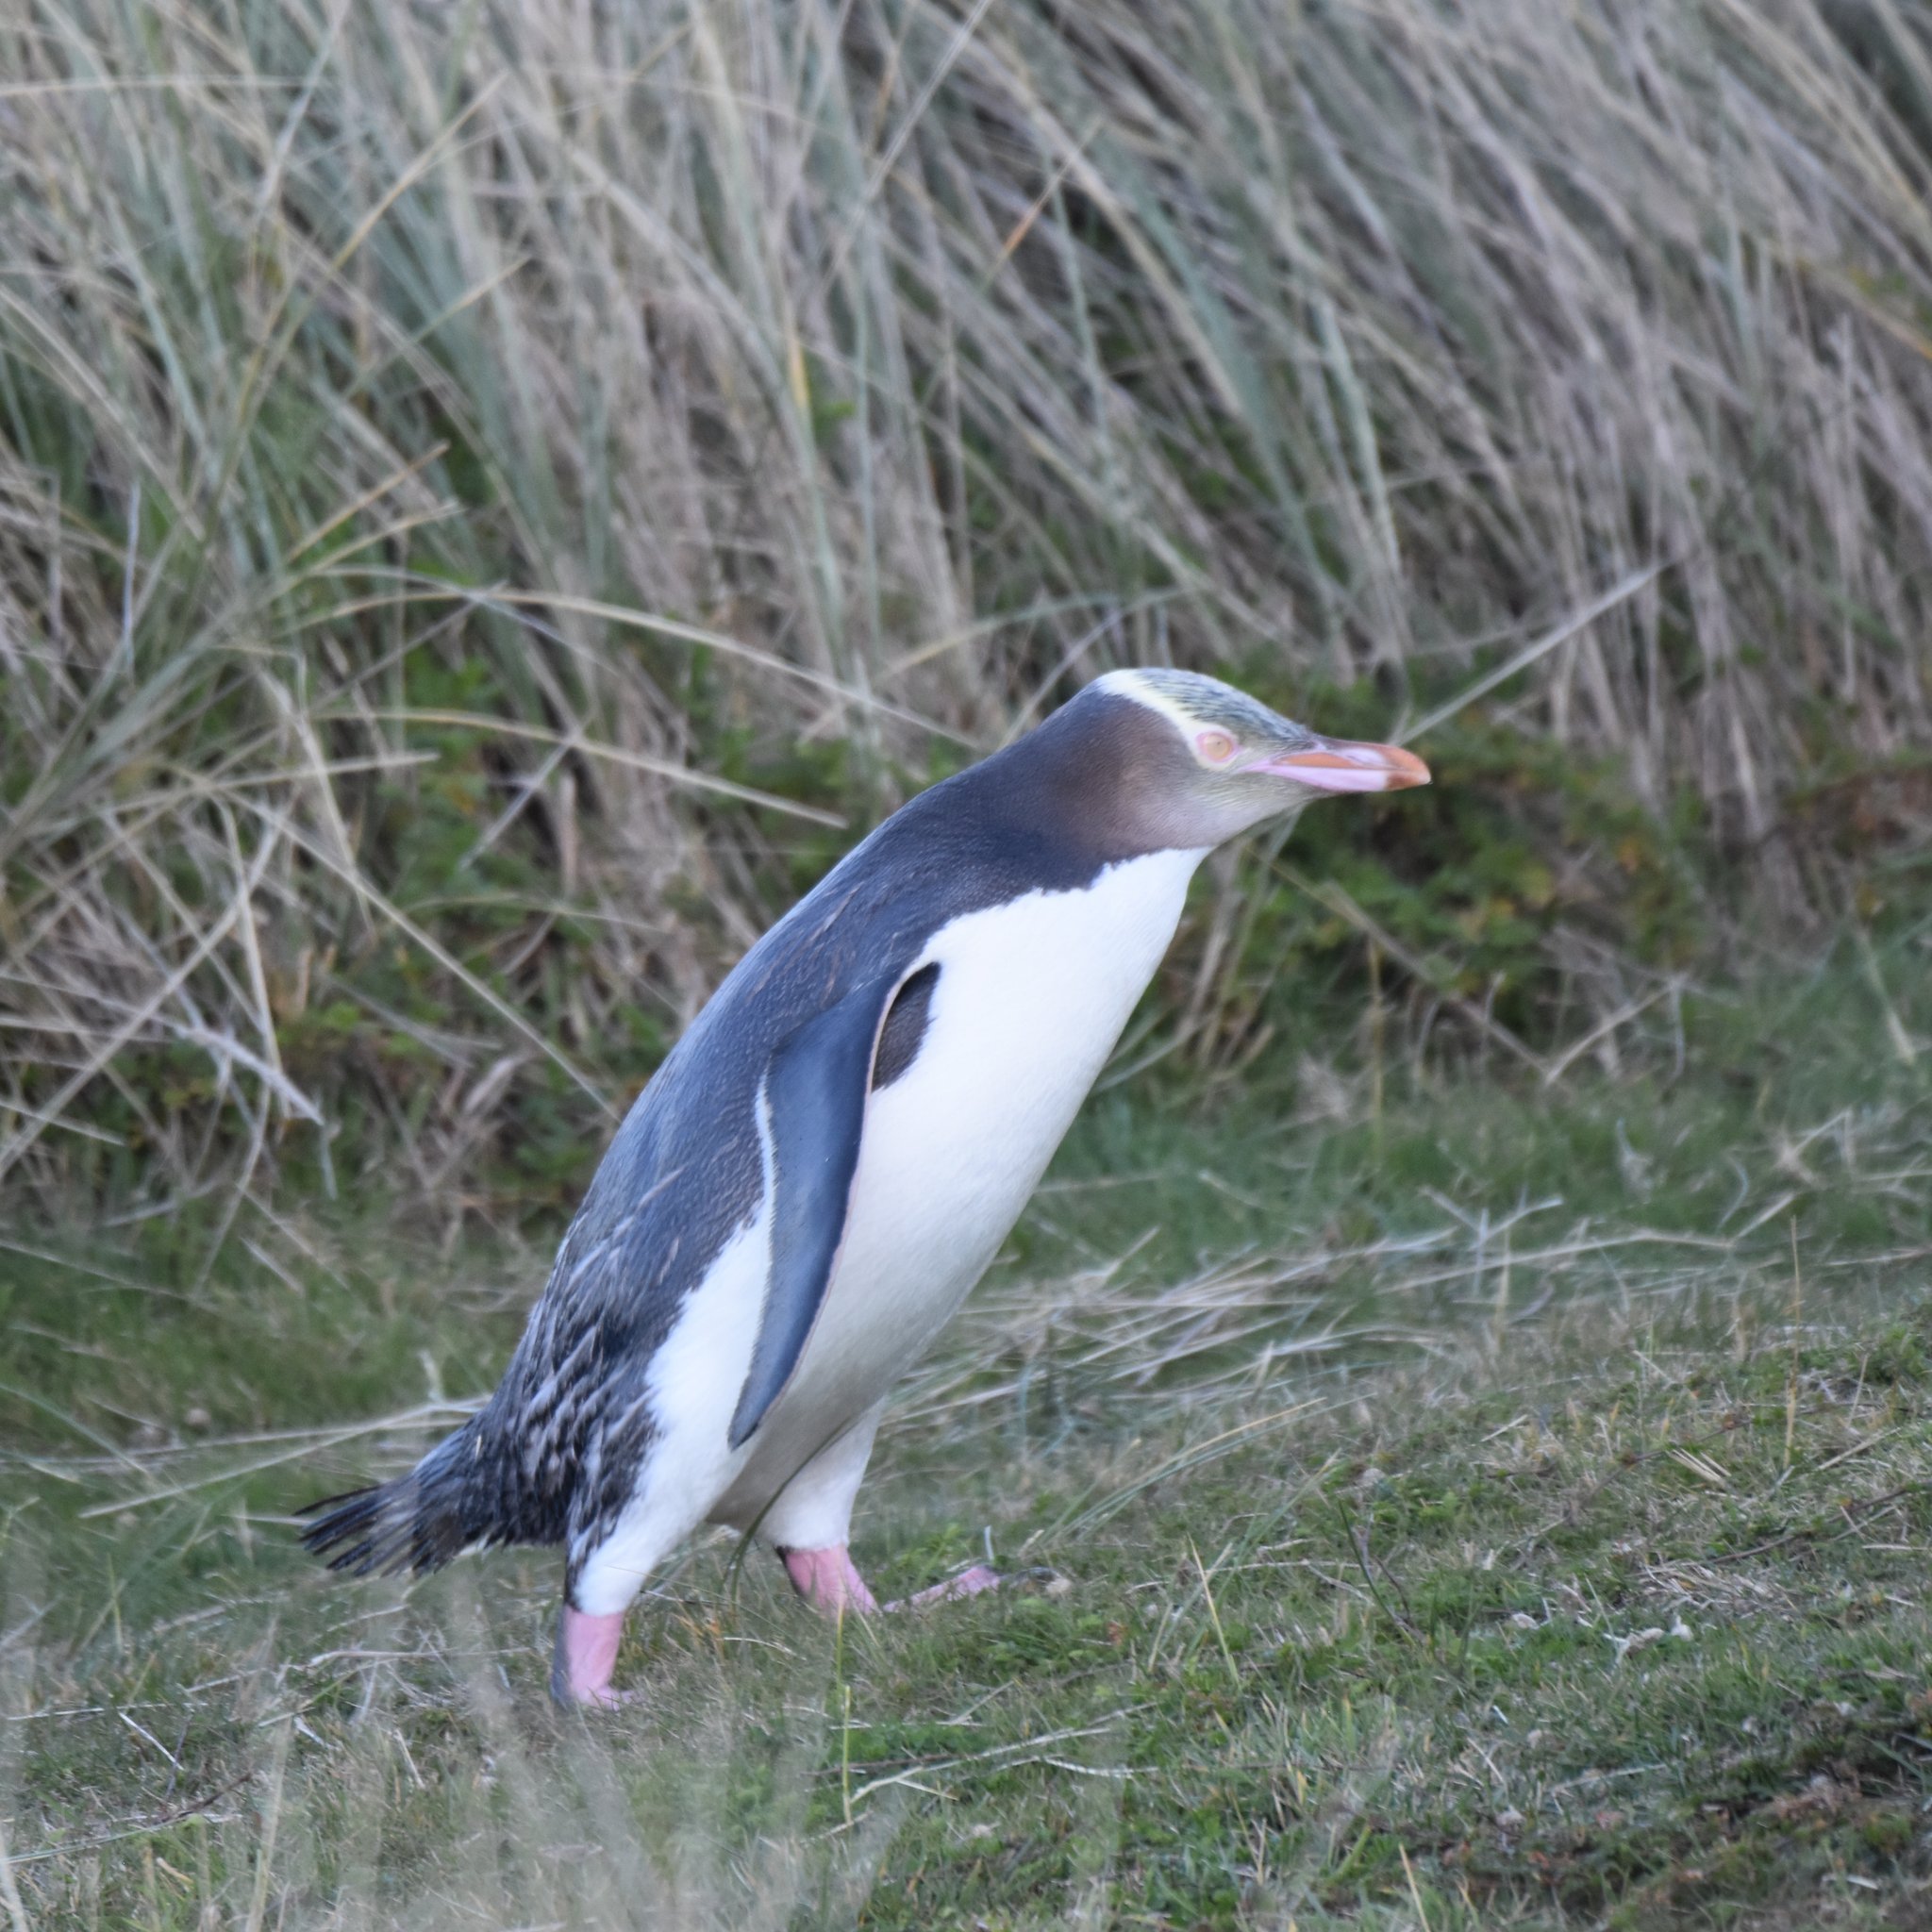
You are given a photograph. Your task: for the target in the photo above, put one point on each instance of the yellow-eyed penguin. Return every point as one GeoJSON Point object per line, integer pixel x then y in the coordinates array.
{"type": "Point", "coordinates": [834, 1151]}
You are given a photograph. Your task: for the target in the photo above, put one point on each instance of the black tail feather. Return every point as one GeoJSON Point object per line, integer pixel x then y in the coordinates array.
{"type": "Point", "coordinates": [416, 1522]}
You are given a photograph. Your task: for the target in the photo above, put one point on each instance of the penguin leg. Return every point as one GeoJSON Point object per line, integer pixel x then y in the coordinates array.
{"type": "Point", "coordinates": [604, 1576]}
{"type": "Point", "coordinates": [810, 1523]}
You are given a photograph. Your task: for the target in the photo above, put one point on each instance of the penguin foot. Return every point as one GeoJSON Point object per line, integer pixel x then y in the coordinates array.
{"type": "Point", "coordinates": [968, 1583]}
{"type": "Point", "coordinates": [607, 1699]}
{"type": "Point", "coordinates": [581, 1664]}
{"type": "Point", "coordinates": [828, 1580]}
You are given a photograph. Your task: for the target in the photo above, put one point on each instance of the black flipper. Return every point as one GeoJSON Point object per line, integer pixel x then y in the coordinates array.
{"type": "Point", "coordinates": [814, 1095]}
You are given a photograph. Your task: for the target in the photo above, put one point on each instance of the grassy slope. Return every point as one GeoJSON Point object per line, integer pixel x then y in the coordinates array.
{"type": "Point", "coordinates": [1456, 1564]}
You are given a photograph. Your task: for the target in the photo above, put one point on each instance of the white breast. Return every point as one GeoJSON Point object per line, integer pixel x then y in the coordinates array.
{"type": "Point", "coordinates": [1031, 997]}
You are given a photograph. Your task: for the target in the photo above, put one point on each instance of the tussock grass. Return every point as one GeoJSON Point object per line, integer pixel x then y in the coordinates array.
{"type": "Point", "coordinates": [487, 493]}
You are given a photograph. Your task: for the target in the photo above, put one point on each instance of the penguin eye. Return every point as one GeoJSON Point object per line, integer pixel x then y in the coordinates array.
{"type": "Point", "coordinates": [1216, 747]}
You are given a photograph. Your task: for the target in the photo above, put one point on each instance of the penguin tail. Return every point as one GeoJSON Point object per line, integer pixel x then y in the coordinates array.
{"type": "Point", "coordinates": [416, 1522]}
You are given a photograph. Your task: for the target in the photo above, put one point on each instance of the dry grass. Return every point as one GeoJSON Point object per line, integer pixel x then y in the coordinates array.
{"type": "Point", "coordinates": [450, 458]}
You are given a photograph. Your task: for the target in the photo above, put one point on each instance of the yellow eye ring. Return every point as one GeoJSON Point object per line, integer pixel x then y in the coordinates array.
{"type": "Point", "coordinates": [1216, 747]}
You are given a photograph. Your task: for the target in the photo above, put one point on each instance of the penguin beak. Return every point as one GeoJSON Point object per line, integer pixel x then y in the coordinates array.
{"type": "Point", "coordinates": [1340, 764]}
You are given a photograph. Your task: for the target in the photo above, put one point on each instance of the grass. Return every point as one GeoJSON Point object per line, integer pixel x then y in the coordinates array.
{"type": "Point", "coordinates": [493, 498]}
{"type": "Point", "coordinates": [1507, 1507]}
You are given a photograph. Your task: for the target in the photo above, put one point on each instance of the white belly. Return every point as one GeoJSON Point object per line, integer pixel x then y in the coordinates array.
{"type": "Point", "coordinates": [1031, 997]}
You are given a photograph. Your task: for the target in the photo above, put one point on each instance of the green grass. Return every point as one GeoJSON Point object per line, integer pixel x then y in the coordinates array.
{"type": "Point", "coordinates": [1510, 1508]}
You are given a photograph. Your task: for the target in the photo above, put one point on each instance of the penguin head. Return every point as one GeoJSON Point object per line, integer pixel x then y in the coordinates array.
{"type": "Point", "coordinates": [1223, 761]}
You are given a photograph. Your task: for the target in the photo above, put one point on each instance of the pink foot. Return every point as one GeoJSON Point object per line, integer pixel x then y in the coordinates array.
{"type": "Point", "coordinates": [581, 1664]}
{"type": "Point", "coordinates": [968, 1583]}
{"type": "Point", "coordinates": [828, 1581]}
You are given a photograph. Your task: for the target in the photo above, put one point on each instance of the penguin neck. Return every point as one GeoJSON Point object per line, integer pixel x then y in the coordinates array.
{"type": "Point", "coordinates": [1099, 779]}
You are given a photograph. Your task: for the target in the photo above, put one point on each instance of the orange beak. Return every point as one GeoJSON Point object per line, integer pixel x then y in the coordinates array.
{"type": "Point", "coordinates": [1339, 764]}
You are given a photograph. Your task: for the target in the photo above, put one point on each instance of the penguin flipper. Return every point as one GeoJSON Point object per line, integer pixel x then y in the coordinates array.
{"type": "Point", "coordinates": [813, 1098]}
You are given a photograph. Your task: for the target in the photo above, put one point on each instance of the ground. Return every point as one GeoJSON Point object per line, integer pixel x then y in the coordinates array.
{"type": "Point", "coordinates": [1430, 1502]}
